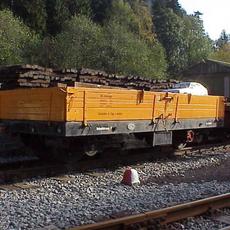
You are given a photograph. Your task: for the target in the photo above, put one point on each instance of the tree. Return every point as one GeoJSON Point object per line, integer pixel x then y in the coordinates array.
{"type": "Point", "coordinates": [100, 9]}
{"type": "Point", "coordinates": [170, 31]}
{"type": "Point", "coordinates": [175, 6]}
{"type": "Point", "coordinates": [170, 4]}
{"type": "Point", "coordinates": [125, 53]}
{"type": "Point", "coordinates": [60, 11]}
{"type": "Point", "coordinates": [121, 13]}
{"type": "Point", "coordinates": [32, 13]}
{"type": "Point", "coordinates": [16, 40]}
{"type": "Point", "coordinates": [145, 22]}
{"type": "Point", "coordinates": [112, 48]}
{"type": "Point", "coordinates": [223, 39]}
{"type": "Point", "coordinates": [79, 7]}
{"type": "Point", "coordinates": [58, 14]}
{"type": "Point", "coordinates": [222, 54]}
{"type": "Point", "coordinates": [5, 4]}
{"type": "Point", "coordinates": [48, 16]}
{"type": "Point", "coordinates": [43, 52]}
{"type": "Point", "coordinates": [182, 35]}
{"type": "Point", "coordinates": [131, 46]}
{"type": "Point", "coordinates": [78, 45]}
{"type": "Point", "coordinates": [199, 45]}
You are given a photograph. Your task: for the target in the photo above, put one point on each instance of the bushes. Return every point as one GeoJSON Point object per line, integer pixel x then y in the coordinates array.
{"type": "Point", "coordinates": [182, 35]}
{"type": "Point", "coordinates": [112, 48]}
{"type": "Point", "coordinates": [16, 40]}
{"type": "Point", "coordinates": [222, 54]}
{"type": "Point", "coordinates": [78, 45]}
{"type": "Point", "coordinates": [114, 35]}
{"type": "Point", "coordinates": [124, 53]}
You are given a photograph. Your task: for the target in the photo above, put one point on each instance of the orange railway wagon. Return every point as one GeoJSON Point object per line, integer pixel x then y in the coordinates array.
{"type": "Point", "coordinates": [81, 111]}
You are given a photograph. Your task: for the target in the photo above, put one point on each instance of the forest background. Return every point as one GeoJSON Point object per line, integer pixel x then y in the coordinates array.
{"type": "Point", "coordinates": [151, 38]}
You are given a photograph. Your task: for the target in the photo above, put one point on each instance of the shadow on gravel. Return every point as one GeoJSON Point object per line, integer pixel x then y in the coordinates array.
{"type": "Point", "coordinates": [219, 173]}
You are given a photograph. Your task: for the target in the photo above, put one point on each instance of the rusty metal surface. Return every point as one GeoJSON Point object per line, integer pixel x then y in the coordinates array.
{"type": "Point", "coordinates": [164, 216]}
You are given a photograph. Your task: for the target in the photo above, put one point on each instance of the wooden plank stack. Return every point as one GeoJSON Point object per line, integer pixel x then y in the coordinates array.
{"type": "Point", "coordinates": [131, 82]}
{"type": "Point", "coordinates": [34, 76]}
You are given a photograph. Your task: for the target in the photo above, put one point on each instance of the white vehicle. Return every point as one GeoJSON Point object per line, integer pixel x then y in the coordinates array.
{"type": "Point", "coordinates": [193, 88]}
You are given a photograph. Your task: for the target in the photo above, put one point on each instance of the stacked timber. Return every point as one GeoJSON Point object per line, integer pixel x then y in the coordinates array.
{"type": "Point", "coordinates": [131, 82]}
{"type": "Point", "coordinates": [18, 76]}
{"type": "Point", "coordinates": [33, 76]}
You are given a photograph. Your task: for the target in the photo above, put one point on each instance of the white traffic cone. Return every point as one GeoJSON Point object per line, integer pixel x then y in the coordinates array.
{"type": "Point", "coordinates": [130, 177]}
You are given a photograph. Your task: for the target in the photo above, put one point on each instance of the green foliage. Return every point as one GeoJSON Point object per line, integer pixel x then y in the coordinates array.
{"type": "Point", "coordinates": [223, 39]}
{"type": "Point", "coordinates": [181, 35]}
{"type": "Point", "coordinates": [144, 20]}
{"type": "Point", "coordinates": [16, 40]}
{"type": "Point", "coordinates": [169, 28]}
{"type": "Point", "coordinates": [124, 53]}
{"type": "Point", "coordinates": [121, 13]}
{"type": "Point", "coordinates": [222, 54]}
{"type": "Point", "coordinates": [134, 16]}
{"type": "Point", "coordinates": [33, 15]}
{"type": "Point", "coordinates": [79, 7]}
{"type": "Point", "coordinates": [169, 4]}
{"type": "Point", "coordinates": [60, 11]}
{"type": "Point", "coordinates": [5, 4]}
{"type": "Point", "coordinates": [130, 45]}
{"type": "Point", "coordinates": [199, 45]}
{"type": "Point", "coordinates": [42, 53]}
{"type": "Point", "coordinates": [222, 48]}
{"type": "Point", "coordinates": [175, 7]}
{"type": "Point", "coordinates": [122, 36]}
{"type": "Point", "coordinates": [112, 48]}
{"type": "Point", "coordinates": [58, 14]}
{"type": "Point", "coordinates": [100, 9]}
{"type": "Point", "coordinates": [78, 45]}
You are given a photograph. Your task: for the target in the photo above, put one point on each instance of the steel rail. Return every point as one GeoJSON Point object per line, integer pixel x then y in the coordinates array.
{"type": "Point", "coordinates": [202, 148]}
{"type": "Point", "coordinates": [165, 215]}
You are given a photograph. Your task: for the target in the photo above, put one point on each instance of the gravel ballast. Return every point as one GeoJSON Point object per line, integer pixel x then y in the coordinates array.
{"type": "Point", "coordinates": [208, 222]}
{"type": "Point", "coordinates": [84, 198]}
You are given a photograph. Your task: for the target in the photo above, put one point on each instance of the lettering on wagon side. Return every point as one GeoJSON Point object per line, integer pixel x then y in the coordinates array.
{"type": "Point", "coordinates": [110, 114]}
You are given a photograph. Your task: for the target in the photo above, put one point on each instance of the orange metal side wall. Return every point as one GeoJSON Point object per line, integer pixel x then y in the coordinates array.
{"type": "Point", "coordinates": [33, 104]}
{"type": "Point", "coordinates": [92, 104]}
{"type": "Point", "coordinates": [96, 104]}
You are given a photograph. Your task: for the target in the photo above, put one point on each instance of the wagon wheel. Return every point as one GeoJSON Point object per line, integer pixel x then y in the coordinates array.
{"type": "Point", "coordinates": [91, 150]}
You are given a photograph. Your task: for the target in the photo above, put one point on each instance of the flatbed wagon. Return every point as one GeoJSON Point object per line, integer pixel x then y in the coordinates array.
{"type": "Point", "coordinates": [77, 112]}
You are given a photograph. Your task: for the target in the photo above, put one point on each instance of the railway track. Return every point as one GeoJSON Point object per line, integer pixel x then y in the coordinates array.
{"type": "Point", "coordinates": [10, 173]}
{"type": "Point", "coordinates": [207, 148]}
{"type": "Point", "coordinates": [159, 218]}
{"type": "Point", "coordinates": [75, 199]}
